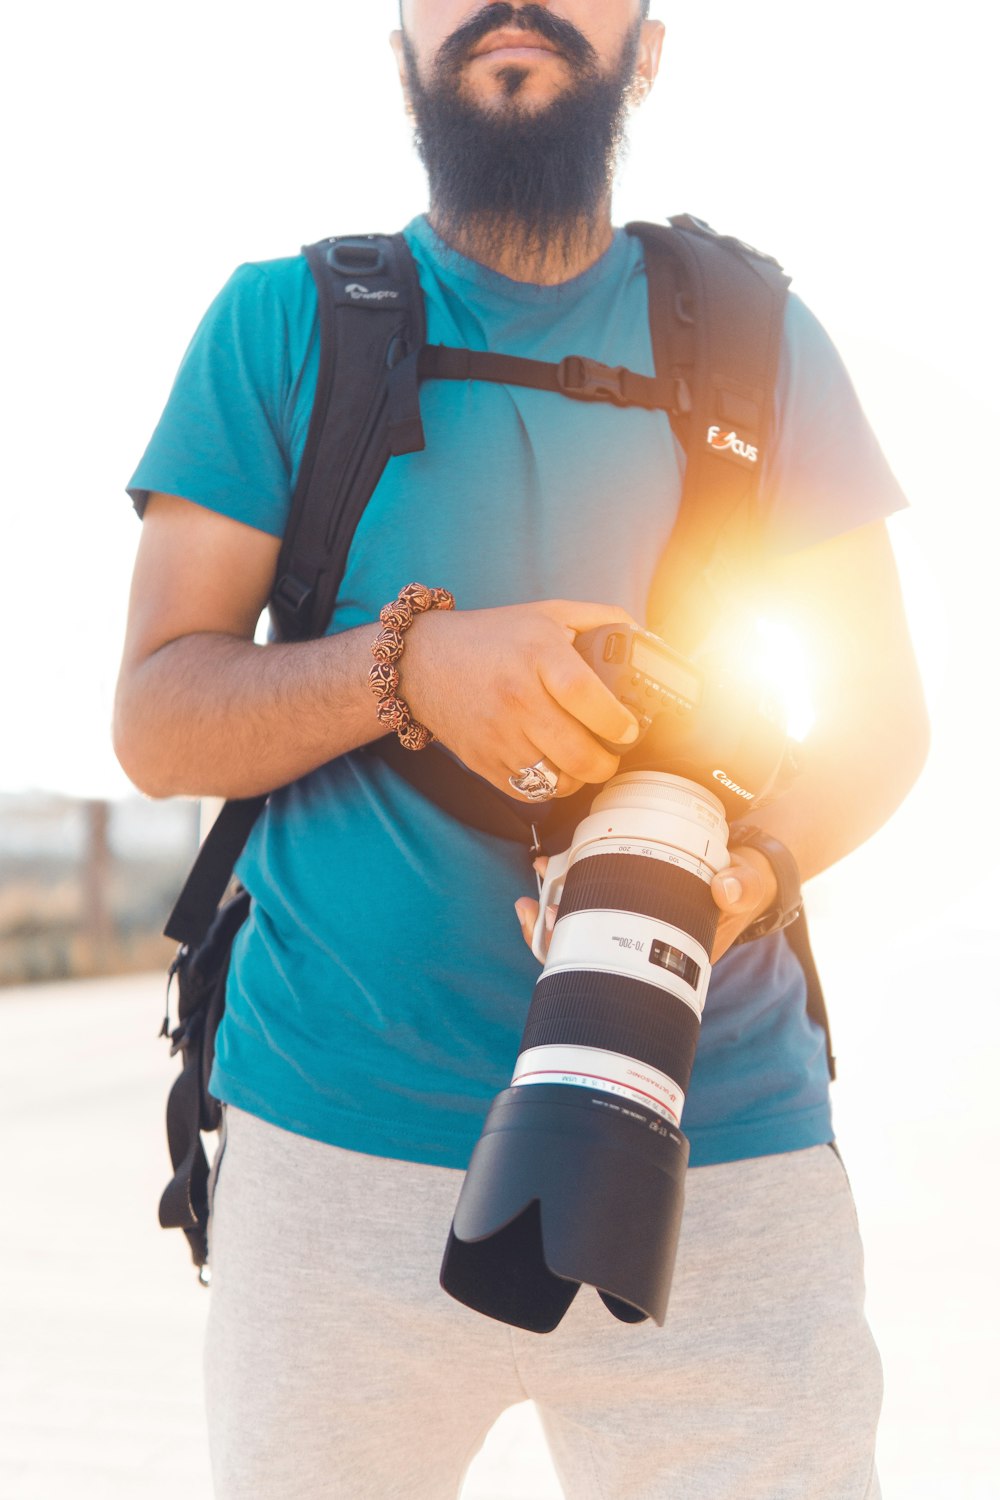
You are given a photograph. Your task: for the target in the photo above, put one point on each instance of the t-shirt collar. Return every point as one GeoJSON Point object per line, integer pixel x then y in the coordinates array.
{"type": "Point", "coordinates": [462, 268]}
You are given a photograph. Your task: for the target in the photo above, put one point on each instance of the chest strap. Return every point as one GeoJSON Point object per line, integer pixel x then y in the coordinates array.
{"type": "Point", "coordinates": [582, 379]}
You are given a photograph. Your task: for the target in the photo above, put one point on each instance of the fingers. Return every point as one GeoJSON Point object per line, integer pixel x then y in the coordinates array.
{"type": "Point", "coordinates": [504, 688]}
{"type": "Point", "coordinates": [738, 890]}
{"type": "Point", "coordinates": [565, 785]}
{"type": "Point", "coordinates": [565, 744]}
{"type": "Point", "coordinates": [557, 738]}
{"type": "Point", "coordinates": [747, 886]}
{"type": "Point", "coordinates": [527, 915]}
{"type": "Point", "coordinates": [584, 697]}
{"type": "Point", "coordinates": [576, 615]}
{"type": "Point", "coordinates": [741, 891]}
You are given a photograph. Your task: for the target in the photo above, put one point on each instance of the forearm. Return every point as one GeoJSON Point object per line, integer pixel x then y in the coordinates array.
{"type": "Point", "coordinates": [842, 600]}
{"type": "Point", "coordinates": [216, 715]}
{"type": "Point", "coordinates": [848, 788]}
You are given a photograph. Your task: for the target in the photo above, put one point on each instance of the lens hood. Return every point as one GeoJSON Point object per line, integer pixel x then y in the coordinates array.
{"type": "Point", "coordinates": [567, 1186]}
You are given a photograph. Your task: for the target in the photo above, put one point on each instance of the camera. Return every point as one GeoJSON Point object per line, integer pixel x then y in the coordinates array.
{"type": "Point", "coordinates": [578, 1174]}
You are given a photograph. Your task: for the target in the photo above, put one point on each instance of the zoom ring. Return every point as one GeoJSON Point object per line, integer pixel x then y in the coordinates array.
{"type": "Point", "coordinates": [648, 887]}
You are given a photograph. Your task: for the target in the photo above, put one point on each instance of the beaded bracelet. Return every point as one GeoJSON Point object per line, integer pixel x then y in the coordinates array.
{"type": "Point", "coordinates": [387, 648]}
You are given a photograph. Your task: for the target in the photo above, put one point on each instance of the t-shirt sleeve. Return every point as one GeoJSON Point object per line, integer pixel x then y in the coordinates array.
{"type": "Point", "coordinates": [222, 439]}
{"type": "Point", "coordinates": [827, 473]}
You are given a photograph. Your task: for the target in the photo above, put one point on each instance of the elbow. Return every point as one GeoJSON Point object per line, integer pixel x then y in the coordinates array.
{"type": "Point", "coordinates": [143, 775]}
{"type": "Point", "coordinates": [135, 749]}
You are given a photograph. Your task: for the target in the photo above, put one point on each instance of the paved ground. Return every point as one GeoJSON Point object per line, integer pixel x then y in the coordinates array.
{"type": "Point", "coordinates": [101, 1314]}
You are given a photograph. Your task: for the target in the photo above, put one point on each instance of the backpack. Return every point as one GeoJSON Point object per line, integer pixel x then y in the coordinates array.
{"type": "Point", "coordinates": [716, 313]}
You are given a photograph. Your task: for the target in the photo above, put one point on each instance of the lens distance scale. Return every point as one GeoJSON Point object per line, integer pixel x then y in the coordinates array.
{"type": "Point", "coordinates": [609, 1072]}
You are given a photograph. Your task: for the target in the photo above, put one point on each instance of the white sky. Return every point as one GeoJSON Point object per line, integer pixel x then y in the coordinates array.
{"type": "Point", "coordinates": [156, 146]}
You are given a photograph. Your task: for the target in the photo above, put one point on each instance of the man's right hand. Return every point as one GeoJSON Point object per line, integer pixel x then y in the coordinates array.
{"type": "Point", "coordinates": [503, 688]}
{"type": "Point", "coordinates": [202, 710]}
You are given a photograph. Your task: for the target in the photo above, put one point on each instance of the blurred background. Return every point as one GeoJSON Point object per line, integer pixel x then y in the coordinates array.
{"type": "Point", "coordinates": [151, 149]}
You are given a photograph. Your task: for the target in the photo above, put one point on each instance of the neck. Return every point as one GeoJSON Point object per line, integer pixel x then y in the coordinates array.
{"type": "Point", "coordinates": [514, 251]}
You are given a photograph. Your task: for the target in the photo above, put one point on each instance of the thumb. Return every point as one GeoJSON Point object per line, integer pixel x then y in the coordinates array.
{"type": "Point", "coordinates": [738, 889]}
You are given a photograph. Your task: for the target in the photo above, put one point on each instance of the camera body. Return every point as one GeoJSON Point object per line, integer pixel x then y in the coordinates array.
{"type": "Point", "coordinates": [642, 671]}
{"type": "Point", "coordinates": [715, 725]}
{"type": "Point", "coordinates": [578, 1175]}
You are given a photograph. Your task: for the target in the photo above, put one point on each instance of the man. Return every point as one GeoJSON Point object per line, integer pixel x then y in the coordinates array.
{"type": "Point", "coordinates": [375, 996]}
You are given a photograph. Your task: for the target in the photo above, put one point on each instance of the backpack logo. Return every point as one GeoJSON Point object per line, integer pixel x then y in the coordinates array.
{"type": "Point", "coordinates": [359, 293]}
{"type": "Point", "coordinates": [731, 442]}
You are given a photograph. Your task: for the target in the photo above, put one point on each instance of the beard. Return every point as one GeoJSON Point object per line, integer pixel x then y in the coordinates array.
{"type": "Point", "coordinates": [512, 178]}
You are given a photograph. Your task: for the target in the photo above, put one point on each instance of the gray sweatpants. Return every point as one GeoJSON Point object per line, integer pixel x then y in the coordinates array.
{"type": "Point", "coordinates": [336, 1367]}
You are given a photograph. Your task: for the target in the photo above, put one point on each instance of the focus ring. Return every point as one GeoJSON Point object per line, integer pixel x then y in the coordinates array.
{"type": "Point", "coordinates": [648, 887]}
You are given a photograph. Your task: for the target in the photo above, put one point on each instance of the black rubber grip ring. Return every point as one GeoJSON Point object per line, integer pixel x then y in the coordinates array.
{"type": "Point", "coordinates": [651, 887]}
{"type": "Point", "coordinates": [617, 1013]}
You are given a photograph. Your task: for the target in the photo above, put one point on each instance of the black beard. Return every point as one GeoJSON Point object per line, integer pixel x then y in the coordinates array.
{"type": "Point", "coordinates": [517, 180]}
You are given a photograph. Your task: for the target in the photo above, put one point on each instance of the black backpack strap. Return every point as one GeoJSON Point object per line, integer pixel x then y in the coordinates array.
{"type": "Point", "coordinates": [576, 376]}
{"type": "Point", "coordinates": [796, 935]}
{"type": "Point", "coordinates": [716, 314]}
{"type": "Point", "coordinates": [716, 317]}
{"type": "Point", "coordinates": [191, 1108]}
{"type": "Point", "coordinates": [195, 907]}
{"type": "Point", "coordinates": [371, 318]}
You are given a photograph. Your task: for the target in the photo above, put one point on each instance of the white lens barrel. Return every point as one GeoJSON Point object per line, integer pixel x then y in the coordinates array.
{"type": "Point", "coordinates": [608, 1072]}
{"type": "Point", "coordinates": [627, 943]}
{"type": "Point", "coordinates": [621, 995]}
{"type": "Point", "coordinates": [659, 817]}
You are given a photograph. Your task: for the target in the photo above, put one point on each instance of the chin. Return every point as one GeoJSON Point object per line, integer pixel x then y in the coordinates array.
{"type": "Point", "coordinates": [515, 89]}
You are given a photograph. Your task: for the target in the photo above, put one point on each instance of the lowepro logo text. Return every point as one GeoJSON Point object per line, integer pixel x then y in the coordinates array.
{"type": "Point", "coordinates": [729, 440]}
{"type": "Point", "coordinates": [359, 293]}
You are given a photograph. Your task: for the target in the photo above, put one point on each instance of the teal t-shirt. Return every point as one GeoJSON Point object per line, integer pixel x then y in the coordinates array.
{"type": "Point", "coordinates": [378, 990]}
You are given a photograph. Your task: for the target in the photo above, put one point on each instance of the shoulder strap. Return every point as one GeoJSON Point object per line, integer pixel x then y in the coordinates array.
{"type": "Point", "coordinates": [796, 935]}
{"type": "Point", "coordinates": [371, 317]}
{"type": "Point", "coordinates": [195, 907]}
{"type": "Point", "coordinates": [716, 316]}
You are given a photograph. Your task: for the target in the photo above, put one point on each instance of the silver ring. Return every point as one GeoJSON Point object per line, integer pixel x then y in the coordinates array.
{"type": "Point", "coordinates": [538, 782]}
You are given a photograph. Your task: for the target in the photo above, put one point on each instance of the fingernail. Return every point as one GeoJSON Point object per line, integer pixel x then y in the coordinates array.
{"type": "Point", "coordinates": [630, 736]}
{"type": "Point", "coordinates": [550, 918]}
{"type": "Point", "coordinates": [732, 889]}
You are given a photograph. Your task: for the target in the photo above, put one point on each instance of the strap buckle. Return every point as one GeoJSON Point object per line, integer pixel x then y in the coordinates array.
{"type": "Point", "coordinates": [589, 380]}
{"type": "Point", "coordinates": [291, 594]}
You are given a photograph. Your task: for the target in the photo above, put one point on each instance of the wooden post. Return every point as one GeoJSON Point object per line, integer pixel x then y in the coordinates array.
{"type": "Point", "coordinates": [97, 916]}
